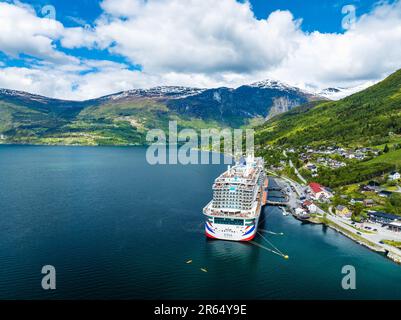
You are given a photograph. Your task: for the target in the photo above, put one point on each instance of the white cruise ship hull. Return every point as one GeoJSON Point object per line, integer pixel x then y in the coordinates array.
{"type": "Point", "coordinates": [245, 232]}
{"type": "Point", "coordinates": [238, 197]}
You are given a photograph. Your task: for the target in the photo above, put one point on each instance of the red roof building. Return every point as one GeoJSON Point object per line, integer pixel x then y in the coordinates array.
{"type": "Point", "coordinates": [315, 187]}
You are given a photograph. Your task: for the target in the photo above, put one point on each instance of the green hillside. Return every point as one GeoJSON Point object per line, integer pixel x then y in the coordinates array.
{"type": "Point", "coordinates": [124, 118]}
{"type": "Point", "coordinates": [369, 118]}
{"type": "Point", "coordinates": [107, 124]}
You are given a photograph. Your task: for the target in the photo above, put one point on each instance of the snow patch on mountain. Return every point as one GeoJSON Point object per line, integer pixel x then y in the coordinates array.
{"type": "Point", "coordinates": [338, 93]}
{"type": "Point", "coordinates": [271, 84]}
{"type": "Point", "coordinates": [170, 92]}
{"type": "Point", "coordinates": [24, 95]}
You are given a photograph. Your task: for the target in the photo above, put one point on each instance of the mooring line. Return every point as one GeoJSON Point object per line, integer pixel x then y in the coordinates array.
{"type": "Point", "coordinates": [271, 232]}
{"type": "Point", "coordinates": [275, 251]}
{"type": "Point", "coordinates": [273, 246]}
{"type": "Point", "coordinates": [268, 249]}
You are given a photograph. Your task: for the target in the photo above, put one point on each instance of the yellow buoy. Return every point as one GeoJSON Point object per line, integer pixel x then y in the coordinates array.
{"type": "Point", "coordinates": [189, 261]}
{"type": "Point", "coordinates": [286, 257]}
{"type": "Point", "coordinates": [204, 270]}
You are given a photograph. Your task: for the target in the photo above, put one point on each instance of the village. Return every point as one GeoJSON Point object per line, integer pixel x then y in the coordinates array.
{"type": "Point", "coordinates": [362, 211]}
{"type": "Point", "coordinates": [332, 157]}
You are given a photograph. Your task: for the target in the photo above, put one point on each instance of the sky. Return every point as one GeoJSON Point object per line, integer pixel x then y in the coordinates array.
{"type": "Point", "coordinates": [82, 49]}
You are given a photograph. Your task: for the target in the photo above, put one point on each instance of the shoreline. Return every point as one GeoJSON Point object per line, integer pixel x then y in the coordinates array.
{"type": "Point", "coordinates": [361, 241]}
{"type": "Point", "coordinates": [319, 220]}
{"type": "Point", "coordinates": [70, 145]}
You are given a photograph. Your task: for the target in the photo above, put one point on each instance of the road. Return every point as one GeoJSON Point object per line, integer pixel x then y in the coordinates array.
{"type": "Point", "coordinates": [297, 172]}
{"type": "Point", "coordinates": [375, 237]}
{"type": "Point", "coordinates": [300, 177]}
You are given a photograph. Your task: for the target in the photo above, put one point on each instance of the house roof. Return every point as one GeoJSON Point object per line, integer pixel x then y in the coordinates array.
{"type": "Point", "coordinates": [307, 203]}
{"type": "Point", "coordinates": [316, 187]}
{"type": "Point", "coordinates": [379, 214]}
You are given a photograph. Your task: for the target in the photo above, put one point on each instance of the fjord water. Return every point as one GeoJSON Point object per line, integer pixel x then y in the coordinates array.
{"type": "Point", "coordinates": [115, 227]}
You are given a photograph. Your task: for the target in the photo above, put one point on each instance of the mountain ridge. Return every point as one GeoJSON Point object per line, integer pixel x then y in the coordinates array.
{"type": "Point", "coordinates": [125, 117]}
{"type": "Point", "coordinates": [369, 119]}
{"type": "Point", "coordinates": [168, 89]}
{"type": "Point", "coordinates": [370, 111]}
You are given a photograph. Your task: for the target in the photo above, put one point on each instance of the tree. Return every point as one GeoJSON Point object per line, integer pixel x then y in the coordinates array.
{"type": "Point", "coordinates": [386, 149]}
{"type": "Point", "coordinates": [357, 209]}
{"type": "Point", "coordinates": [395, 201]}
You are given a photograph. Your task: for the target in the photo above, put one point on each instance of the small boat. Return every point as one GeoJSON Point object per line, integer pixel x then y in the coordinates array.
{"type": "Point", "coordinates": [285, 213]}
{"type": "Point", "coordinates": [203, 269]}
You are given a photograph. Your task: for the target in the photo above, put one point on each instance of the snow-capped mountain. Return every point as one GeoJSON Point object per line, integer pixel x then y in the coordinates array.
{"type": "Point", "coordinates": [22, 95]}
{"type": "Point", "coordinates": [168, 92]}
{"type": "Point", "coordinates": [125, 116]}
{"type": "Point", "coordinates": [229, 106]}
{"type": "Point", "coordinates": [271, 84]}
{"type": "Point", "coordinates": [338, 93]}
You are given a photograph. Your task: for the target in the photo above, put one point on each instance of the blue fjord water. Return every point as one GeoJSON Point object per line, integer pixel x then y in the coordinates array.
{"type": "Point", "coordinates": [115, 227]}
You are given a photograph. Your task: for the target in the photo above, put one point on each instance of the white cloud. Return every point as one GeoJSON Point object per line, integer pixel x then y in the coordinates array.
{"type": "Point", "coordinates": [201, 43]}
{"type": "Point", "coordinates": [77, 82]}
{"type": "Point", "coordinates": [196, 36]}
{"type": "Point", "coordinates": [368, 52]}
{"type": "Point", "coordinates": [23, 32]}
{"type": "Point", "coordinates": [123, 8]}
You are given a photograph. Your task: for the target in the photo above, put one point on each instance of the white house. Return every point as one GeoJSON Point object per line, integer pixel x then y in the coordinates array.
{"type": "Point", "coordinates": [394, 176]}
{"type": "Point", "coordinates": [319, 192]}
{"type": "Point", "coordinates": [300, 212]}
{"type": "Point", "coordinates": [310, 206]}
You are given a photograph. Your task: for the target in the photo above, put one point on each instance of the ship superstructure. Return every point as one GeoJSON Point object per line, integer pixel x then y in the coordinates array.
{"type": "Point", "coordinates": [238, 197]}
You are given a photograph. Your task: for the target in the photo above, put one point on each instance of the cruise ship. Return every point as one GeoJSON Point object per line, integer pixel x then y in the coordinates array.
{"type": "Point", "coordinates": [238, 197]}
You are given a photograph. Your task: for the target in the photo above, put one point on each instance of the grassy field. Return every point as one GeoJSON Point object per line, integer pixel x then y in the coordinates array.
{"type": "Point", "coordinates": [396, 244]}
{"type": "Point", "coordinates": [393, 158]}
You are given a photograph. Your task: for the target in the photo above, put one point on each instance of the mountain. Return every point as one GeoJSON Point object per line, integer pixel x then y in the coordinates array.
{"type": "Point", "coordinates": [125, 117]}
{"type": "Point", "coordinates": [366, 118]}
{"type": "Point", "coordinates": [338, 93]}
{"type": "Point", "coordinates": [370, 118]}
{"type": "Point", "coordinates": [40, 103]}
{"type": "Point", "coordinates": [227, 106]}
{"type": "Point", "coordinates": [155, 93]}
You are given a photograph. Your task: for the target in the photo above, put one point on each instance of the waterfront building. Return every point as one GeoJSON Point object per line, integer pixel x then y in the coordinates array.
{"type": "Point", "coordinates": [310, 206]}
{"type": "Point", "coordinates": [318, 192]}
{"type": "Point", "coordinates": [383, 217]}
{"type": "Point", "coordinates": [395, 226]}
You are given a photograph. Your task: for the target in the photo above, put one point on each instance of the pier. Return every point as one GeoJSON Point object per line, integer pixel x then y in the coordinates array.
{"type": "Point", "coordinates": [274, 189]}
{"type": "Point", "coordinates": [277, 203]}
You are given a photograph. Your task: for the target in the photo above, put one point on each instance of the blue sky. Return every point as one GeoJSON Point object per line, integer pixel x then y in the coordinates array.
{"type": "Point", "coordinates": [98, 47]}
{"type": "Point", "coordinates": [317, 15]}
{"type": "Point", "coordinates": [321, 15]}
